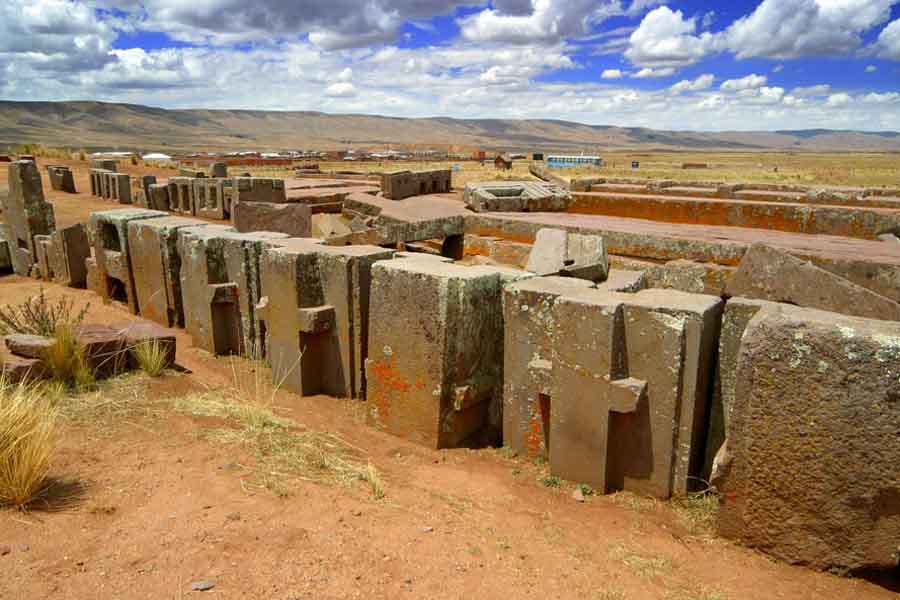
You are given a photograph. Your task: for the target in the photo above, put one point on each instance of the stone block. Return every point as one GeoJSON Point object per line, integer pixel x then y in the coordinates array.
{"type": "Point", "coordinates": [257, 189]}
{"type": "Point", "coordinates": [181, 195]}
{"type": "Point", "coordinates": [632, 373]}
{"type": "Point", "coordinates": [813, 441]}
{"type": "Point", "coordinates": [516, 196]}
{"type": "Point", "coordinates": [218, 169]}
{"type": "Point", "coordinates": [105, 164]}
{"type": "Point", "coordinates": [292, 219]}
{"type": "Point", "coordinates": [156, 267]}
{"type": "Point", "coordinates": [104, 349]}
{"type": "Point", "coordinates": [143, 332]}
{"type": "Point", "coordinates": [5, 259]}
{"type": "Point", "coordinates": [42, 268]}
{"type": "Point", "coordinates": [766, 273]}
{"type": "Point", "coordinates": [19, 368]}
{"type": "Point", "coordinates": [302, 282]}
{"type": "Point", "coordinates": [436, 346]}
{"type": "Point", "coordinates": [220, 288]}
{"type": "Point", "coordinates": [209, 198]}
{"type": "Point", "coordinates": [556, 252]}
{"type": "Point", "coordinates": [397, 185]}
{"type": "Point", "coordinates": [27, 213]}
{"type": "Point", "coordinates": [61, 179]}
{"type": "Point", "coordinates": [158, 197]}
{"type": "Point", "coordinates": [70, 247]}
{"type": "Point", "coordinates": [28, 346]}
{"type": "Point", "coordinates": [109, 231]}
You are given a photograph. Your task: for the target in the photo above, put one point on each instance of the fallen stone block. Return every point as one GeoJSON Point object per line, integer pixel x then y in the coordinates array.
{"type": "Point", "coordinates": [27, 213]}
{"type": "Point", "coordinates": [156, 267]}
{"type": "Point", "coordinates": [258, 189]}
{"type": "Point", "coordinates": [144, 332]}
{"type": "Point", "coordinates": [158, 197]}
{"type": "Point", "coordinates": [301, 278]}
{"type": "Point", "coordinates": [104, 349]}
{"type": "Point", "coordinates": [325, 226]}
{"type": "Point", "coordinates": [209, 198]}
{"type": "Point", "coordinates": [556, 252]}
{"type": "Point", "coordinates": [95, 280]}
{"type": "Point", "coordinates": [70, 248]}
{"type": "Point", "coordinates": [17, 368]}
{"type": "Point", "coordinates": [220, 288]}
{"type": "Point", "coordinates": [114, 277]}
{"type": "Point", "coordinates": [813, 441]}
{"type": "Point", "coordinates": [218, 170]}
{"type": "Point", "coordinates": [516, 196]}
{"type": "Point", "coordinates": [766, 273]}
{"type": "Point", "coordinates": [42, 268]}
{"type": "Point", "coordinates": [28, 346]}
{"type": "Point", "coordinates": [292, 219]}
{"type": "Point", "coordinates": [181, 195]}
{"type": "Point", "coordinates": [434, 368]}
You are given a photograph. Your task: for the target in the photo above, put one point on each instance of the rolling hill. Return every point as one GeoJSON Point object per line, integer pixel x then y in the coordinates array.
{"type": "Point", "coordinates": [107, 126]}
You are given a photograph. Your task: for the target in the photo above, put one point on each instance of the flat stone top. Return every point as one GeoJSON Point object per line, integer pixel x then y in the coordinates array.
{"type": "Point", "coordinates": [884, 333]}
{"type": "Point", "coordinates": [301, 183]}
{"type": "Point", "coordinates": [416, 208]}
{"type": "Point", "coordinates": [314, 245]}
{"type": "Point", "coordinates": [168, 222]}
{"type": "Point", "coordinates": [830, 246]}
{"type": "Point", "coordinates": [553, 285]}
{"type": "Point", "coordinates": [127, 214]}
{"type": "Point", "coordinates": [313, 193]}
{"type": "Point", "coordinates": [731, 202]}
{"type": "Point", "coordinates": [438, 269]}
{"type": "Point", "coordinates": [207, 231]}
{"type": "Point", "coordinates": [674, 300]}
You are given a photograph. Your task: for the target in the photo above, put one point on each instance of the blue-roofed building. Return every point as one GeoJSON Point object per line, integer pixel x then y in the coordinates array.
{"type": "Point", "coordinates": [567, 162]}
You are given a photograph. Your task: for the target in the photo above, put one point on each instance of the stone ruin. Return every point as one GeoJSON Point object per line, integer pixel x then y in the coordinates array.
{"type": "Point", "coordinates": [516, 196]}
{"type": "Point", "coordinates": [398, 185]}
{"type": "Point", "coordinates": [61, 179]}
{"type": "Point", "coordinates": [629, 353]}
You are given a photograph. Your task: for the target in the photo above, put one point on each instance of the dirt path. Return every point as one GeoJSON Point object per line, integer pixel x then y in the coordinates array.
{"type": "Point", "coordinates": [162, 507]}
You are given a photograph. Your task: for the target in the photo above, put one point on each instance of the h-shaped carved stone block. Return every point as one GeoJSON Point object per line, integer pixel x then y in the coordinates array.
{"type": "Point", "coordinates": [315, 308]}
{"type": "Point", "coordinates": [27, 214]}
{"type": "Point", "coordinates": [220, 287]}
{"type": "Point", "coordinates": [631, 375]}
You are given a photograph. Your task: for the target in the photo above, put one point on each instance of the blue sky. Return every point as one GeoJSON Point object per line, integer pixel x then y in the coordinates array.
{"type": "Point", "coordinates": [740, 65]}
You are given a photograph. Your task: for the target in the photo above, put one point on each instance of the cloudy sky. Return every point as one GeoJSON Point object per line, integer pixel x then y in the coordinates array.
{"type": "Point", "coordinates": [744, 64]}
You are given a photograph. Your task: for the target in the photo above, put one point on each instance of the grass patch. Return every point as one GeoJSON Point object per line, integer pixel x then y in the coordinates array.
{"type": "Point", "coordinates": [282, 448]}
{"type": "Point", "coordinates": [642, 565]}
{"type": "Point", "coordinates": [551, 481]}
{"type": "Point", "coordinates": [38, 316]}
{"type": "Point", "coordinates": [27, 439]}
{"type": "Point", "coordinates": [66, 362]}
{"type": "Point", "coordinates": [697, 512]}
{"type": "Point", "coordinates": [634, 502]}
{"type": "Point", "coordinates": [151, 357]}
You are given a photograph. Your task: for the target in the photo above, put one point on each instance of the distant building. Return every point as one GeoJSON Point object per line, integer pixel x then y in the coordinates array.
{"type": "Point", "coordinates": [503, 162]}
{"type": "Point", "coordinates": [565, 162]}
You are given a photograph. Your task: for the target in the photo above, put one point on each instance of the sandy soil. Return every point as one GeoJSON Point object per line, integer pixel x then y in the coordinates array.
{"type": "Point", "coordinates": [160, 507]}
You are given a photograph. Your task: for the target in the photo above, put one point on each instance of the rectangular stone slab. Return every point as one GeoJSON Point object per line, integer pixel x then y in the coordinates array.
{"type": "Point", "coordinates": [70, 248]}
{"type": "Point", "coordinates": [27, 213]}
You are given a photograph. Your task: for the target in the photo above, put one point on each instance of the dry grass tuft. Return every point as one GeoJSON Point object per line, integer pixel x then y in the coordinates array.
{"type": "Point", "coordinates": [38, 316]}
{"type": "Point", "coordinates": [697, 512]}
{"type": "Point", "coordinates": [27, 429]}
{"type": "Point", "coordinates": [66, 362]}
{"type": "Point", "coordinates": [151, 357]}
{"type": "Point", "coordinates": [642, 565]}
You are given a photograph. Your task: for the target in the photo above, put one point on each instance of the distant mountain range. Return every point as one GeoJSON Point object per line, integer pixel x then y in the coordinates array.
{"type": "Point", "coordinates": [106, 126]}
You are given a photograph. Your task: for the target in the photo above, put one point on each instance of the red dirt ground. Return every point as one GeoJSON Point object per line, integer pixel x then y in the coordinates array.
{"type": "Point", "coordinates": [162, 508]}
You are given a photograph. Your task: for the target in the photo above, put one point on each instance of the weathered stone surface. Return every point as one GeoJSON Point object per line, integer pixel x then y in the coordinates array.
{"type": "Point", "coordinates": [398, 185]}
{"type": "Point", "coordinates": [5, 259]}
{"type": "Point", "coordinates": [766, 273]}
{"type": "Point", "coordinates": [19, 368]}
{"type": "Point", "coordinates": [181, 195]}
{"type": "Point", "coordinates": [220, 287]}
{"type": "Point", "coordinates": [142, 332]}
{"type": "Point", "coordinates": [813, 441]}
{"type": "Point", "coordinates": [123, 188]}
{"type": "Point", "coordinates": [105, 164]}
{"type": "Point", "coordinates": [209, 198]}
{"type": "Point", "coordinates": [70, 248]}
{"type": "Point", "coordinates": [104, 349]}
{"type": "Point", "coordinates": [27, 214]}
{"type": "Point", "coordinates": [258, 189]}
{"type": "Point", "coordinates": [556, 252]}
{"type": "Point", "coordinates": [29, 346]}
{"type": "Point", "coordinates": [158, 197]}
{"type": "Point", "coordinates": [292, 219]}
{"type": "Point", "coordinates": [631, 374]}
{"type": "Point", "coordinates": [115, 280]}
{"type": "Point", "coordinates": [61, 179]}
{"type": "Point", "coordinates": [422, 218]}
{"type": "Point", "coordinates": [301, 278]}
{"type": "Point", "coordinates": [218, 169]}
{"type": "Point", "coordinates": [516, 196]}
{"type": "Point", "coordinates": [156, 267]}
{"type": "Point", "coordinates": [435, 367]}
{"type": "Point", "coordinates": [140, 190]}
{"type": "Point", "coordinates": [42, 268]}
